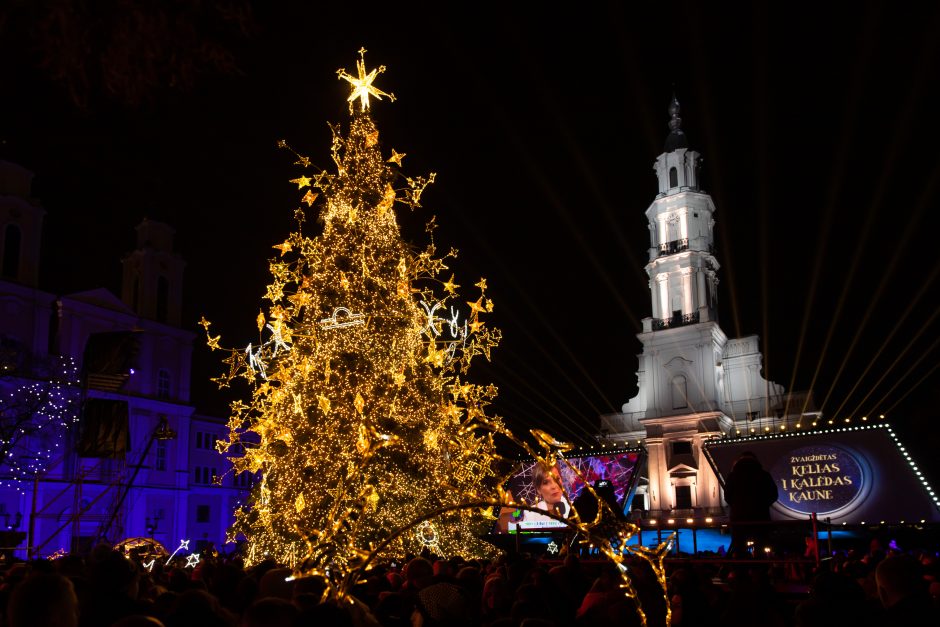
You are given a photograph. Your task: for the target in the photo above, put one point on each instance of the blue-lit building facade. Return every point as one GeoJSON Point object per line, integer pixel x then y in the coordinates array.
{"type": "Point", "coordinates": [158, 479]}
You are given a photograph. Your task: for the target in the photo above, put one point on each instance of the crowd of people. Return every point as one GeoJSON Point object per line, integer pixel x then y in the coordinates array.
{"type": "Point", "coordinates": [877, 586]}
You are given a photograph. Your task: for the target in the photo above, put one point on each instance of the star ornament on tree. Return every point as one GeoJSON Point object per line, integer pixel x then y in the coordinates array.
{"type": "Point", "coordinates": [362, 86]}
{"type": "Point", "coordinates": [396, 157]}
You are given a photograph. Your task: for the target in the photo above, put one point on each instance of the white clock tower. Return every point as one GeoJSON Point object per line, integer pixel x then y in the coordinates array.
{"type": "Point", "coordinates": [694, 383]}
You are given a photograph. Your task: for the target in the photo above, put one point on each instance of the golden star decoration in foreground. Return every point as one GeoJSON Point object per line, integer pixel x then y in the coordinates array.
{"type": "Point", "coordinates": [477, 307]}
{"type": "Point", "coordinates": [362, 86]}
{"type": "Point", "coordinates": [303, 181]}
{"type": "Point", "coordinates": [451, 287]}
{"type": "Point", "coordinates": [396, 157]}
{"type": "Point", "coordinates": [309, 197]}
{"type": "Point", "coordinates": [213, 342]}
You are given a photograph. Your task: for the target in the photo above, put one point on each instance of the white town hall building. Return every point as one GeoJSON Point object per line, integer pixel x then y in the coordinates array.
{"type": "Point", "coordinates": [694, 382]}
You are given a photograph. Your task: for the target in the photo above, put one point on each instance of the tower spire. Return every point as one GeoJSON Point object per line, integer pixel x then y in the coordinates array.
{"type": "Point", "coordinates": [676, 138]}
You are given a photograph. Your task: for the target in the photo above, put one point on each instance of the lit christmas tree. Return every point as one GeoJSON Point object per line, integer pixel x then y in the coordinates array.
{"type": "Point", "coordinates": [361, 420]}
{"type": "Point", "coordinates": [36, 416]}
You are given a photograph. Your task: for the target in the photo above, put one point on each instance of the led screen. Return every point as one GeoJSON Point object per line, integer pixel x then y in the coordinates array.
{"type": "Point", "coordinates": [613, 476]}
{"type": "Point", "coordinates": [845, 475]}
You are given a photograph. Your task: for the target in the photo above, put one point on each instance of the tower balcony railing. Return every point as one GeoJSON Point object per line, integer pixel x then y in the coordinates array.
{"type": "Point", "coordinates": [679, 245]}
{"type": "Point", "coordinates": [673, 247]}
{"type": "Point", "coordinates": [677, 320]}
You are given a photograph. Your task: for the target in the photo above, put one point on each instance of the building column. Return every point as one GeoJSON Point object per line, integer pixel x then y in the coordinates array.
{"type": "Point", "coordinates": [663, 280]}
{"type": "Point", "coordinates": [687, 291]}
{"type": "Point", "coordinates": [660, 497]}
{"type": "Point", "coordinates": [702, 293]}
{"type": "Point", "coordinates": [654, 292]}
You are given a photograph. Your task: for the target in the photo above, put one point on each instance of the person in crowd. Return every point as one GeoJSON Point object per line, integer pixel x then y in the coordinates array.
{"type": "Point", "coordinates": [138, 620]}
{"type": "Point", "coordinates": [834, 598]}
{"type": "Point", "coordinates": [753, 600]}
{"type": "Point", "coordinates": [497, 597]}
{"type": "Point", "coordinates": [749, 491]}
{"type": "Point", "coordinates": [443, 571]}
{"type": "Point", "coordinates": [515, 590]}
{"type": "Point", "coordinates": [396, 608]}
{"type": "Point", "coordinates": [903, 592]}
{"type": "Point", "coordinates": [270, 612]}
{"type": "Point", "coordinates": [198, 608]}
{"type": "Point", "coordinates": [605, 603]}
{"type": "Point", "coordinates": [114, 589]}
{"type": "Point", "coordinates": [43, 600]}
{"type": "Point", "coordinates": [276, 583]}
{"type": "Point", "coordinates": [442, 603]}
{"type": "Point", "coordinates": [689, 598]}
{"type": "Point", "coordinates": [572, 582]}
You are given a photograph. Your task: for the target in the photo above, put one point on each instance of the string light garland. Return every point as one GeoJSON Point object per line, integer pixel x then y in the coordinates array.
{"type": "Point", "coordinates": [369, 439]}
{"type": "Point", "coordinates": [141, 546]}
{"type": "Point", "coordinates": [428, 536]}
{"type": "Point", "coordinates": [36, 417]}
{"type": "Point", "coordinates": [184, 545]}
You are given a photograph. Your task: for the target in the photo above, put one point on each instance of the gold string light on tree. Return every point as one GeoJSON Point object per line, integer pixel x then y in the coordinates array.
{"type": "Point", "coordinates": [361, 418]}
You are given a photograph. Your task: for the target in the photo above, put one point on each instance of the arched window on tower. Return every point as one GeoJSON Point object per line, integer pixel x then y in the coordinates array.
{"type": "Point", "coordinates": [673, 177]}
{"type": "Point", "coordinates": [163, 298]}
{"type": "Point", "coordinates": [11, 251]}
{"type": "Point", "coordinates": [680, 392]}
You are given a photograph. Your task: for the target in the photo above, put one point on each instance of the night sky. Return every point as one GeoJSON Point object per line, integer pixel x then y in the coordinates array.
{"type": "Point", "coordinates": [817, 127]}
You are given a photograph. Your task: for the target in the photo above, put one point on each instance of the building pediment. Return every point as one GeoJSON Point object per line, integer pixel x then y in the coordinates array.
{"type": "Point", "coordinates": [682, 462]}
{"type": "Point", "coordinates": [682, 470]}
{"type": "Point", "coordinates": [677, 364]}
{"type": "Point", "coordinates": [103, 298]}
